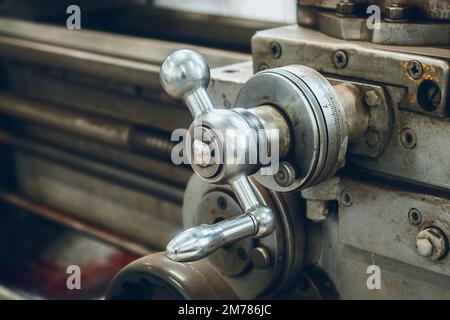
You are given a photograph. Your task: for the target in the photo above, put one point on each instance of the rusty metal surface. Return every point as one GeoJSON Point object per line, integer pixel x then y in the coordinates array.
{"type": "Point", "coordinates": [367, 63]}
{"type": "Point", "coordinates": [421, 163]}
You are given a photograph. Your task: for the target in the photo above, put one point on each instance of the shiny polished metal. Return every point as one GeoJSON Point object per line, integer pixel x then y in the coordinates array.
{"type": "Point", "coordinates": [297, 101]}
{"type": "Point", "coordinates": [185, 75]}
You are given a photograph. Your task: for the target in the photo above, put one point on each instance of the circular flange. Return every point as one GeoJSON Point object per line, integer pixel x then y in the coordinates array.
{"type": "Point", "coordinates": [206, 203]}
{"type": "Point", "coordinates": [315, 115]}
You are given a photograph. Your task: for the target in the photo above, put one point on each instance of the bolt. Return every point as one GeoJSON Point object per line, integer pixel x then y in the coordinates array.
{"type": "Point", "coordinates": [372, 138]}
{"type": "Point", "coordinates": [396, 12]}
{"type": "Point", "coordinates": [275, 49]}
{"type": "Point", "coordinates": [424, 247]}
{"type": "Point", "coordinates": [372, 98]}
{"type": "Point", "coordinates": [346, 198]}
{"type": "Point", "coordinates": [415, 217]}
{"type": "Point", "coordinates": [432, 243]}
{"type": "Point", "coordinates": [285, 175]}
{"type": "Point", "coordinates": [408, 138]}
{"type": "Point", "coordinates": [415, 69]}
{"type": "Point", "coordinates": [346, 7]}
{"type": "Point", "coordinates": [260, 257]}
{"type": "Point", "coordinates": [201, 153]}
{"type": "Point", "coordinates": [340, 59]}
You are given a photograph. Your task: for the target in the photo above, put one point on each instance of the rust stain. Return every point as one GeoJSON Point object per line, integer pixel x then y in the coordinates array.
{"type": "Point", "coordinates": [428, 73]}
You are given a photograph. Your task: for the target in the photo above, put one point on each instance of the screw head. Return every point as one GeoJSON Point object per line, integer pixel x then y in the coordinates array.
{"type": "Point", "coordinates": [346, 7]}
{"type": "Point", "coordinates": [260, 257]}
{"type": "Point", "coordinates": [275, 49]}
{"type": "Point", "coordinates": [340, 59]}
{"type": "Point", "coordinates": [415, 69]}
{"type": "Point", "coordinates": [415, 216]}
{"type": "Point", "coordinates": [431, 242]}
{"type": "Point", "coordinates": [408, 138]}
{"type": "Point", "coordinates": [395, 12]}
{"type": "Point", "coordinates": [346, 198]}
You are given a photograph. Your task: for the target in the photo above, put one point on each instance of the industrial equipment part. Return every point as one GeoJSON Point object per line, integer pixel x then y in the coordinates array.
{"type": "Point", "coordinates": [296, 101]}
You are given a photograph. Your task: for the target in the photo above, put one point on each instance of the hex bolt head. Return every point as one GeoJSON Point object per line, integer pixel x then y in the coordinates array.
{"type": "Point", "coordinates": [260, 257]}
{"type": "Point", "coordinates": [396, 12]}
{"type": "Point", "coordinates": [346, 7]}
{"type": "Point", "coordinates": [424, 247]}
{"type": "Point", "coordinates": [340, 59]}
{"type": "Point", "coordinates": [432, 243]}
{"type": "Point", "coordinates": [201, 153]}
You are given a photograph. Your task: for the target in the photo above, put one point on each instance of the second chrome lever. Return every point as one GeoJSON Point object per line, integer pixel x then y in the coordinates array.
{"type": "Point", "coordinates": [226, 147]}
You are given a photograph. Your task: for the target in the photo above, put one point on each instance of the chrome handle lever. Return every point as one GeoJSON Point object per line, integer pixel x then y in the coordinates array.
{"type": "Point", "coordinates": [198, 242]}
{"type": "Point", "coordinates": [185, 76]}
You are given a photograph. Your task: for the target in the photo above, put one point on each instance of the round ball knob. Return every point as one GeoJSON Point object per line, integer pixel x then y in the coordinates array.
{"type": "Point", "coordinates": [182, 72]}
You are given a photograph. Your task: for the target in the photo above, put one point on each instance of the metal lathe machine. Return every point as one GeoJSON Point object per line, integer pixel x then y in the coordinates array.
{"type": "Point", "coordinates": [357, 208]}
